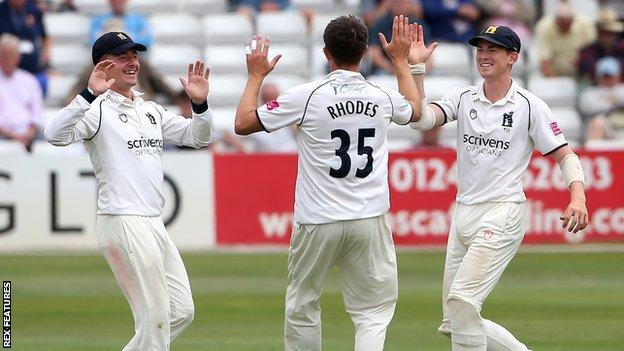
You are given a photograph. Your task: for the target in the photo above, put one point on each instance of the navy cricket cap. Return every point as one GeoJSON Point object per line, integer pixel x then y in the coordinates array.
{"type": "Point", "coordinates": [113, 43]}
{"type": "Point", "coordinates": [499, 35]}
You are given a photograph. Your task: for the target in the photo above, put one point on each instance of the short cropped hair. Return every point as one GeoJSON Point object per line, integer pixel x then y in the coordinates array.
{"type": "Point", "coordinates": [346, 38]}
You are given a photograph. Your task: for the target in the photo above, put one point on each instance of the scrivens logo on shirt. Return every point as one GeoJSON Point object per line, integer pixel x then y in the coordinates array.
{"type": "Point", "coordinates": [144, 146]}
{"type": "Point", "coordinates": [483, 145]}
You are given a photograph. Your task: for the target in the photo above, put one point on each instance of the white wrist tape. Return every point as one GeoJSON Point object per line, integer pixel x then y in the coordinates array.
{"type": "Point", "coordinates": [427, 117]}
{"type": "Point", "coordinates": [571, 169]}
{"type": "Point", "coordinates": [417, 69]}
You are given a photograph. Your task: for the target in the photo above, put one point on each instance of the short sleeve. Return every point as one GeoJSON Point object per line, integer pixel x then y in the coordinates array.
{"type": "Point", "coordinates": [544, 130]}
{"type": "Point", "coordinates": [449, 103]}
{"type": "Point", "coordinates": [287, 109]}
{"type": "Point", "coordinates": [401, 108]}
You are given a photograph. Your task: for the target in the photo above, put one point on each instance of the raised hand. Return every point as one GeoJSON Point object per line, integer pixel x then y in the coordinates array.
{"type": "Point", "coordinates": [97, 81]}
{"type": "Point", "coordinates": [419, 53]}
{"type": "Point", "coordinates": [399, 47]}
{"type": "Point", "coordinates": [257, 52]}
{"type": "Point", "coordinates": [196, 82]}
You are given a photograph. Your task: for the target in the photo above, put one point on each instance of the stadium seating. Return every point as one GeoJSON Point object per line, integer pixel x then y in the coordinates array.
{"type": "Point", "coordinates": [70, 58]}
{"type": "Point", "coordinates": [226, 90]}
{"type": "Point", "coordinates": [226, 59]}
{"type": "Point", "coordinates": [176, 28]}
{"type": "Point", "coordinates": [92, 7]}
{"type": "Point", "coordinates": [58, 87]}
{"type": "Point", "coordinates": [147, 7]}
{"type": "Point", "coordinates": [173, 58]}
{"type": "Point", "coordinates": [437, 86]}
{"type": "Point", "coordinates": [452, 59]}
{"type": "Point", "coordinates": [203, 7]}
{"type": "Point", "coordinates": [67, 27]}
{"type": "Point", "coordinates": [294, 59]}
{"type": "Point", "coordinates": [555, 91]}
{"type": "Point", "coordinates": [227, 28]}
{"type": "Point", "coordinates": [287, 26]}
{"type": "Point", "coordinates": [323, 6]}
{"type": "Point", "coordinates": [224, 118]}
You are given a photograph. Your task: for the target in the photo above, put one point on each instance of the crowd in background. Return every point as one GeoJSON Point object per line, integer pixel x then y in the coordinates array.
{"type": "Point", "coordinates": [564, 43]}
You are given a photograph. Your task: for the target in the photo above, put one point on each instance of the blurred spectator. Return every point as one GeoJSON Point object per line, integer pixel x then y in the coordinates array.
{"type": "Point", "coordinates": [373, 10]}
{"type": "Point", "coordinates": [222, 140]}
{"type": "Point", "coordinates": [515, 14]}
{"type": "Point", "coordinates": [25, 20]}
{"type": "Point", "coordinates": [280, 141]}
{"type": "Point", "coordinates": [251, 7]}
{"type": "Point", "coordinates": [616, 5]}
{"type": "Point", "coordinates": [379, 60]}
{"type": "Point", "coordinates": [451, 20]}
{"type": "Point", "coordinates": [608, 43]}
{"type": "Point", "coordinates": [430, 140]}
{"type": "Point", "coordinates": [559, 39]}
{"type": "Point", "coordinates": [20, 95]}
{"type": "Point", "coordinates": [118, 20]}
{"type": "Point", "coordinates": [149, 82]}
{"type": "Point", "coordinates": [66, 6]}
{"type": "Point", "coordinates": [604, 102]}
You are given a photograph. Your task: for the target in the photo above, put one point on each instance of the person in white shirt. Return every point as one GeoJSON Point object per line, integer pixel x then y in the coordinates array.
{"type": "Point", "coordinates": [124, 136]}
{"type": "Point", "coordinates": [342, 188]}
{"type": "Point", "coordinates": [499, 124]}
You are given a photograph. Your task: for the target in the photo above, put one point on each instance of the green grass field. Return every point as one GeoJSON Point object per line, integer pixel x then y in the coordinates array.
{"type": "Point", "coordinates": [554, 301]}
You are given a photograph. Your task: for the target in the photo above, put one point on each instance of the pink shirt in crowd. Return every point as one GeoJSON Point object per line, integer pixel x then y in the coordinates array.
{"type": "Point", "coordinates": [20, 101]}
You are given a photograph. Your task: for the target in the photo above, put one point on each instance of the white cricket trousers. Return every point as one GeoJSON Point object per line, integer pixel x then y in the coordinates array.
{"type": "Point", "coordinates": [363, 250]}
{"type": "Point", "coordinates": [482, 241]}
{"type": "Point", "coordinates": [151, 274]}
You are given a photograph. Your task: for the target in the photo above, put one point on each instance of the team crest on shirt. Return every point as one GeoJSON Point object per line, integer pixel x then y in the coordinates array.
{"type": "Point", "coordinates": [123, 117]}
{"type": "Point", "coordinates": [473, 114]}
{"type": "Point", "coordinates": [272, 105]}
{"type": "Point", "coordinates": [151, 118]}
{"type": "Point", "coordinates": [507, 121]}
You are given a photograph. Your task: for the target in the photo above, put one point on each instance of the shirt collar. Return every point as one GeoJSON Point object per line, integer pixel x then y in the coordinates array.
{"type": "Point", "coordinates": [118, 99]}
{"type": "Point", "coordinates": [344, 74]}
{"type": "Point", "coordinates": [478, 93]}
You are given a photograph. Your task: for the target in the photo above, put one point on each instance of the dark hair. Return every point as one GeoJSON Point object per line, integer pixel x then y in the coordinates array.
{"type": "Point", "coordinates": [346, 38]}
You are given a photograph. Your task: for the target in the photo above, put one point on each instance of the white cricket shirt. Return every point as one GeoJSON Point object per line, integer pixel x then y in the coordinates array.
{"type": "Point", "coordinates": [342, 141]}
{"type": "Point", "coordinates": [495, 141]}
{"type": "Point", "coordinates": [125, 139]}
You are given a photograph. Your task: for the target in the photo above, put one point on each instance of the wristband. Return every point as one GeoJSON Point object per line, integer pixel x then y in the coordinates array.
{"type": "Point", "coordinates": [417, 69]}
{"type": "Point", "coordinates": [88, 95]}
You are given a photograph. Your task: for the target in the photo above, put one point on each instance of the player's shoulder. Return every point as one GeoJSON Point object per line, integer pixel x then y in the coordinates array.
{"type": "Point", "coordinates": [307, 89]}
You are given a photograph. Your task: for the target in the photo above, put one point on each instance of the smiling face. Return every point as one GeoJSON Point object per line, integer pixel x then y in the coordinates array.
{"type": "Point", "coordinates": [493, 60]}
{"type": "Point", "coordinates": [125, 71]}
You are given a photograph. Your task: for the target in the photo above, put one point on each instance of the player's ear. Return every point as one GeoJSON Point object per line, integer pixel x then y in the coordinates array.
{"type": "Point", "coordinates": [327, 54]}
{"type": "Point", "coordinates": [513, 58]}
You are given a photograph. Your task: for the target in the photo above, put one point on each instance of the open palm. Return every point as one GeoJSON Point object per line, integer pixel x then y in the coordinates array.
{"type": "Point", "coordinates": [419, 53]}
{"type": "Point", "coordinates": [196, 83]}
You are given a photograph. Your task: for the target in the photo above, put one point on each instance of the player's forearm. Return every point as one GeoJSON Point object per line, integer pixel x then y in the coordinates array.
{"type": "Point", "coordinates": [577, 191]}
{"type": "Point", "coordinates": [407, 87]}
{"type": "Point", "coordinates": [60, 129]}
{"type": "Point", "coordinates": [246, 111]}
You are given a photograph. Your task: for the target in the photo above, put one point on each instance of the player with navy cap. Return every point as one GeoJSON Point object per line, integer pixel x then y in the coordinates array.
{"type": "Point", "coordinates": [124, 136]}
{"type": "Point", "coordinates": [498, 125]}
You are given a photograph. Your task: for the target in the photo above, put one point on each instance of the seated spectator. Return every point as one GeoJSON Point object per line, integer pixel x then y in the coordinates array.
{"type": "Point", "coordinates": [616, 5]}
{"type": "Point", "coordinates": [559, 39]}
{"type": "Point", "coordinates": [430, 140]}
{"type": "Point", "coordinates": [608, 43]}
{"type": "Point", "coordinates": [280, 141]}
{"type": "Point", "coordinates": [221, 140]}
{"type": "Point", "coordinates": [379, 60]}
{"type": "Point", "coordinates": [118, 20]}
{"type": "Point", "coordinates": [601, 102]}
{"type": "Point", "coordinates": [373, 10]}
{"type": "Point", "coordinates": [20, 95]}
{"type": "Point", "coordinates": [515, 14]}
{"type": "Point", "coordinates": [25, 20]}
{"type": "Point", "coordinates": [149, 82]}
{"type": "Point", "coordinates": [66, 6]}
{"type": "Point", "coordinates": [251, 7]}
{"type": "Point", "coordinates": [452, 20]}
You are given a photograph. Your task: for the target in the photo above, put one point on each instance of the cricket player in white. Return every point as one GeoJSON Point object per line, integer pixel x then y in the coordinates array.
{"type": "Point", "coordinates": [124, 136]}
{"type": "Point", "coordinates": [342, 190]}
{"type": "Point", "coordinates": [499, 124]}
